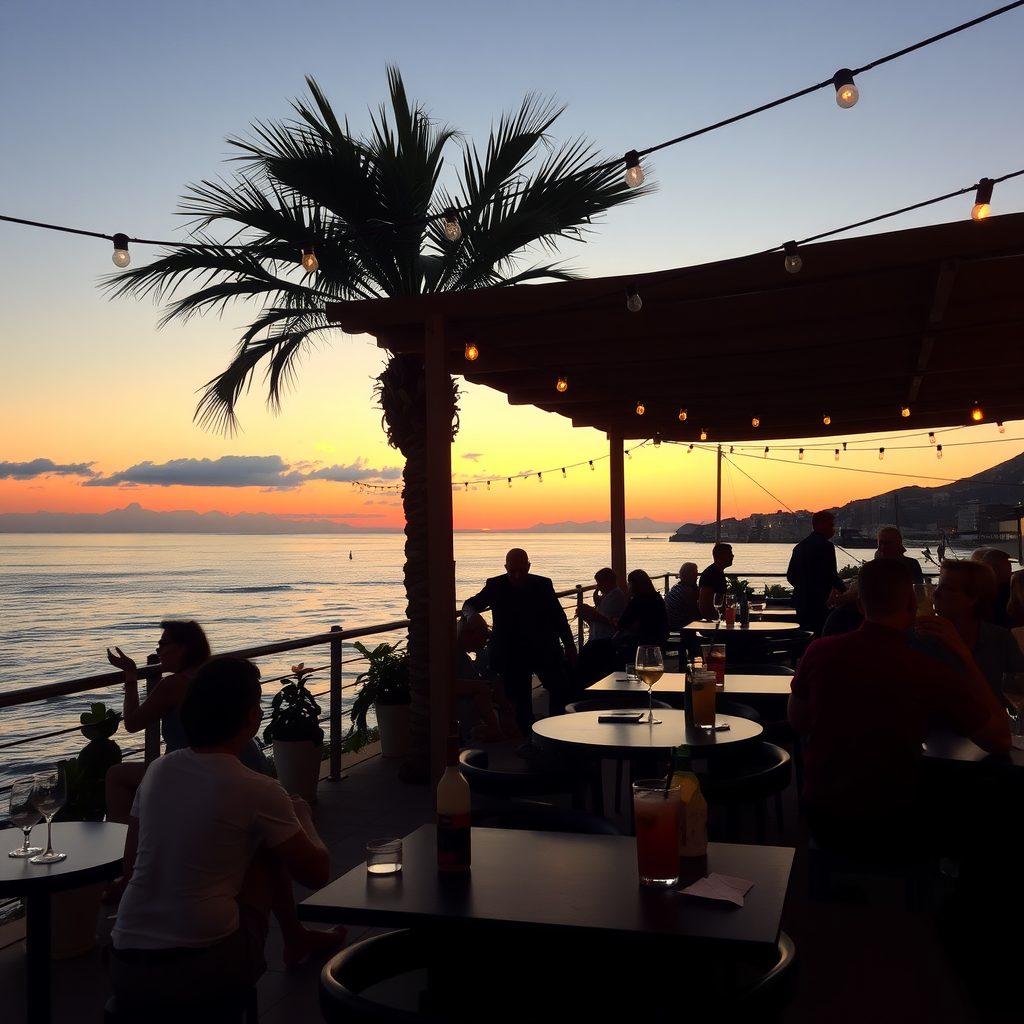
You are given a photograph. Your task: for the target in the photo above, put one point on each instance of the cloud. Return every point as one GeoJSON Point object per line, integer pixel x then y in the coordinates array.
{"type": "Point", "coordinates": [269, 472]}
{"type": "Point", "coordinates": [473, 456]}
{"type": "Point", "coordinates": [43, 467]}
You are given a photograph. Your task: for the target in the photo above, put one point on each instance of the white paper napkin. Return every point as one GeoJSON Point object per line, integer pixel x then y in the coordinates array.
{"type": "Point", "coordinates": [720, 887]}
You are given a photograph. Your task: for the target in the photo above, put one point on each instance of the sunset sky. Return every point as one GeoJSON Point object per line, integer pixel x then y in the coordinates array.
{"type": "Point", "coordinates": [108, 111]}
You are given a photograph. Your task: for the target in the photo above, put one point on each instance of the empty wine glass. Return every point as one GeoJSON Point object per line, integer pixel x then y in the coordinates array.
{"type": "Point", "coordinates": [1013, 693]}
{"type": "Point", "coordinates": [650, 665]}
{"type": "Point", "coordinates": [49, 792]}
{"type": "Point", "coordinates": [24, 815]}
{"type": "Point", "coordinates": [718, 600]}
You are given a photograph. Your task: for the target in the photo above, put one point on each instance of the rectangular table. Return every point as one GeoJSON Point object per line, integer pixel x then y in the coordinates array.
{"type": "Point", "coordinates": [556, 883]}
{"type": "Point", "coordinates": [738, 684]}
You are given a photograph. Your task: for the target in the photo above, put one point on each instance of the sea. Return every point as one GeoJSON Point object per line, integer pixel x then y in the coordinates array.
{"type": "Point", "coordinates": [65, 598]}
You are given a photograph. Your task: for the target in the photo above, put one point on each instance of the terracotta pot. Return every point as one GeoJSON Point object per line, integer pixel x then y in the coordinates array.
{"type": "Point", "coordinates": [298, 766]}
{"type": "Point", "coordinates": [393, 726]}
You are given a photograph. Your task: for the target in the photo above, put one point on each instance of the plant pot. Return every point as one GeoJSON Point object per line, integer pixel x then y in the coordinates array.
{"type": "Point", "coordinates": [298, 766]}
{"type": "Point", "coordinates": [393, 726]}
{"type": "Point", "coordinates": [74, 914]}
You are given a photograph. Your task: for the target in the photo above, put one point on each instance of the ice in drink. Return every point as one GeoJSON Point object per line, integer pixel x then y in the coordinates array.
{"type": "Point", "coordinates": [702, 698]}
{"type": "Point", "coordinates": [714, 660]}
{"type": "Point", "coordinates": [657, 811]}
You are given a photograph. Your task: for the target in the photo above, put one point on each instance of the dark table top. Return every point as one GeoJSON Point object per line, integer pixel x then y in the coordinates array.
{"type": "Point", "coordinates": [561, 882]}
{"type": "Point", "coordinates": [94, 850]}
{"type": "Point", "coordinates": [616, 739]}
{"type": "Point", "coordinates": [942, 745]}
{"type": "Point", "coordinates": [736, 683]}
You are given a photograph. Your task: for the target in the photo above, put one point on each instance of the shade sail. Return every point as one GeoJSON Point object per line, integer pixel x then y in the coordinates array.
{"type": "Point", "coordinates": [929, 318]}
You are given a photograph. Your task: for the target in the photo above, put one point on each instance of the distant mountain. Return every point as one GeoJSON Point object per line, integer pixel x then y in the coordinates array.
{"type": "Point", "coordinates": [136, 519]}
{"type": "Point", "coordinates": [643, 525]}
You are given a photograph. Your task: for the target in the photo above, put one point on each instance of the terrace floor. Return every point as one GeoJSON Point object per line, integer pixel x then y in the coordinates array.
{"type": "Point", "coordinates": [858, 962]}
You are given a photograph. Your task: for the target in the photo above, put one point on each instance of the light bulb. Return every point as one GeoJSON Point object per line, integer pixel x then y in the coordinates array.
{"type": "Point", "coordinates": [634, 172]}
{"type": "Point", "coordinates": [931, 437]}
{"type": "Point", "coordinates": [309, 261]}
{"type": "Point", "coordinates": [591, 465]}
{"type": "Point", "coordinates": [633, 300]}
{"type": "Point", "coordinates": [657, 440]}
{"type": "Point", "coordinates": [563, 384]}
{"type": "Point", "coordinates": [472, 352]}
{"type": "Point", "coordinates": [755, 421]}
{"type": "Point", "coordinates": [563, 472]}
{"type": "Point", "coordinates": [881, 454]}
{"type": "Point", "coordinates": [452, 231]}
{"type": "Point", "coordinates": [826, 419]}
{"type": "Point", "coordinates": [640, 408]}
{"type": "Point", "coordinates": [905, 411]}
{"type": "Point", "coordinates": [801, 455]}
{"type": "Point", "coordinates": [510, 482]}
{"type": "Point", "coordinates": [540, 478]}
{"type": "Point", "coordinates": [982, 209]}
{"type": "Point", "coordinates": [121, 256]}
{"type": "Point", "coordinates": [846, 92]}
{"type": "Point", "coordinates": [938, 452]}
{"type": "Point", "coordinates": [793, 263]}
{"type": "Point", "coordinates": [488, 485]}
{"type": "Point", "coordinates": [976, 414]}
{"type": "Point", "coordinates": [703, 435]}
{"type": "Point", "coordinates": [682, 415]}
{"type": "Point", "coordinates": [999, 424]}
{"type": "Point", "coordinates": [836, 456]}
{"type": "Point", "coordinates": [766, 452]}
{"type": "Point", "coordinates": [690, 449]}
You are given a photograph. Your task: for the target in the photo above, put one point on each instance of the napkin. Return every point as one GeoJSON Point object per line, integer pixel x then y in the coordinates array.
{"type": "Point", "coordinates": [720, 887]}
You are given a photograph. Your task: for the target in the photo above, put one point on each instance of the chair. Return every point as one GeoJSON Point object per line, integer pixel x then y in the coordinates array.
{"type": "Point", "coordinates": [750, 781]}
{"type": "Point", "coordinates": [506, 786]}
{"type": "Point", "coordinates": [737, 710]}
{"type": "Point", "coordinates": [526, 814]}
{"type": "Point", "coordinates": [227, 1009]}
{"type": "Point", "coordinates": [611, 701]}
{"type": "Point", "coordinates": [768, 670]}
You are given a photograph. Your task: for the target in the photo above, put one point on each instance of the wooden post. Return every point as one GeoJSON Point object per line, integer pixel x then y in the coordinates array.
{"type": "Point", "coordinates": [441, 550]}
{"type": "Point", "coordinates": [617, 499]}
{"type": "Point", "coordinates": [334, 711]}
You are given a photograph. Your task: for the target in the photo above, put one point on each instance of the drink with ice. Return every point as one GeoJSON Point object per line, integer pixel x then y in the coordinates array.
{"type": "Point", "coordinates": [657, 812]}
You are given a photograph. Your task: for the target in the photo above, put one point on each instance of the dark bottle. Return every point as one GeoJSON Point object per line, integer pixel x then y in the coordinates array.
{"type": "Point", "coordinates": [453, 814]}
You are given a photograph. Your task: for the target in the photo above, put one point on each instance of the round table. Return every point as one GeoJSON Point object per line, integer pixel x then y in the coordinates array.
{"type": "Point", "coordinates": [94, 850]}
{"type": "Point", "coordinates": [776, 628]}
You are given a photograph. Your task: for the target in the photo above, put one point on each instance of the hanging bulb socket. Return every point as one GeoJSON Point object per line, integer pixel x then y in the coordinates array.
{"type": "Point", "coordinates": [633, 300]}
{"type": "Point", "coordinates": [682, 415]}
{"type": "Point", "coordinates": [121, 257]}
{"type": "Point", "coordinates": [881, 454]}
{"type": "Point", "coordinates": [472, 353]}
{"type": "Point", "coordinates": [755, 421]}
{"type": "Point", "coordinates": [976, 414]}
{"type": "Point", "coordinates": [634, 172]}
{"type": "Point", "coordinates": [657, 439]}
{"type": "Point", "coordinates": [766, 452]}
{"type": "Point", "coordinates": [826, 419]}
{"type": "Point", "coordinates": [836, 456]}
{"type": "Point", "coordinates": [563, 472]}
{"type": "Point", "coordinates": [847, 93]}
{"type": "Point", "coordinates": [563, 384]}
{"type": "Point", "coordinates": [800, 455]}
{"type": "Point", "coordinates": [905, 411]}
{"type": "Point", "coordinates": [591, 465]}
{"type": "Point", "coordinates": [938, 451]}
{"type": "Point", "coordinates": [690, 449]}
{"type": "Point", "coordinates": [310, 264]}
{"type": "Point", "coordinates": [931, 437]}
{"type": "Point", "coordinates": [452, 231]}
{"type": "Point", "coordinates": [793, 262]}
{"type": "Point", "coordinates": [703, 435]}
{"type": "Point", "coordinates": [640, 408]}
{"type": "Point", "coordinates": [982, 209]}
{"type": "Point", "coordinates": [999, 424]}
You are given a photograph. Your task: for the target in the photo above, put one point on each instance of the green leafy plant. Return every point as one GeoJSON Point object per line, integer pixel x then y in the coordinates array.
{"type": "Point", "coordinates": [294, 712]}
{"type": "Point", "coordinates": [776, 591]}
{"type": "Point", "coordinates": [385, 681]}
{"type": "Point", "coordinates": [734, 585]}
{"type": "Point", "coordinates": [849, 572]}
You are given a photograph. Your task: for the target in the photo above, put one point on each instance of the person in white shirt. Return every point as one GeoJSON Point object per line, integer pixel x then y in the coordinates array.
{"type": "Point", "coordinates": [609, 603]}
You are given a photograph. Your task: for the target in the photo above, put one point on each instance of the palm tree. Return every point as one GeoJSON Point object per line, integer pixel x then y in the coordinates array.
{"type": "Point", "coordinates": [372, 207]}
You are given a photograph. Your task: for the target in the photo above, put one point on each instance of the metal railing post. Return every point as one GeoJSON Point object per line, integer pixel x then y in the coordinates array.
{"type": "Point", "coordinates": [337, 740]}
{"type": "Point", "coordinates": [579, 621]}
{"type": "Point", "coordinates": [152, 747]}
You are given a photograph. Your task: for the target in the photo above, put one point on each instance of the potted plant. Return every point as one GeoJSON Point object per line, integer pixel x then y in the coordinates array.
{"type": "Point", "coordinates": [295, 732]}
{"type": "Point", "coordinates": [385, 687]}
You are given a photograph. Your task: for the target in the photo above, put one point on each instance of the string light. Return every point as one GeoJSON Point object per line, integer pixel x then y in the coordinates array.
{"type": "Point", "coordinates": [563, 384]}
{"type": "Point", "coordinates": [121, 257]}
{"type": "Point", "coordinates": [563, 472]}
{"type": "Point", "coordinates": [844, 446]}
{"type": "Point", "coordinates": [800, 456]}
{"type": "Point", "coordinates": [310, 264]}
{"type": "Point", "coordinates": [982, 209]}
{"type": "Point", "coordinates": [847, 93]}
{"type": "Point", "coordinates": [938, 452]}
{"type": "Point", "coordinates": [881, 454]}
{"type": "Point", "coordinates": [657, 439]}
{"type": "Point", "coordinates": [690, 449]}
{"type": "Point", "coordinates": [976, 414]}
{"type": "Point", "coordinates": [836, 456]}
{"type": "Point", "coordinates": [640, 408]}
{"type": "Point", "coordinates": [682, 415]}
{"type": "Point", "coordinates": [999, 424]}
{"type": "Point", "coordinates": [634, 172]}
{"type": "Point", "coordinates": [731, 449]}
{"type": "Point", "coordinates": [452, 231]}
{"type": "Point", "coordinates": [472, 352]}
{"type": "Point", "coordinates": [703, 434]}
{"type": "Point", "coordinates": [931, 437]}
{"type": "Point", "coordinates": [540, 478]}
{"type": "Point", "coordinates": [766, 452]}
{"type": "Point", "coordinates": [905, 411]}
{"type": "Point", "coordinates": [755, 421]}
{"type": "Point", "coordinates": [629, 455]}
{"type": "Point", "coordinates": [793, 262]}
{"type": "Point", "coordinates": [591, 465]}
{"type": "Point", "coordinates": [826, 419]}
{"type": "Point", "coordinates": [488, 485]}
{"type": "Point", "coordinates": [633, 300]}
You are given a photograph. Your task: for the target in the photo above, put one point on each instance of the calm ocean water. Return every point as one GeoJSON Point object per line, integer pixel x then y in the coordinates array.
{"type": "Point", "coordinates": [65, 598]}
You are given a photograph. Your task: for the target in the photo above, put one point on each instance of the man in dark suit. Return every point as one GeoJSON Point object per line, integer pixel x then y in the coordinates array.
{"type": "Point", "coordinates": [530, 633]}
{"type": "Point", "coordinates": [812, 574]}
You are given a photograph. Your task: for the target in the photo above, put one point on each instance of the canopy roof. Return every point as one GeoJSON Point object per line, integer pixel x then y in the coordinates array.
{"type": "Point", "coordinates": [930, 318]}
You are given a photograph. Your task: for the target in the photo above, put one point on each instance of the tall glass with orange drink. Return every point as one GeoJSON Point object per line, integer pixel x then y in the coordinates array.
{"type": "Point", "coordinates": [656, 809]}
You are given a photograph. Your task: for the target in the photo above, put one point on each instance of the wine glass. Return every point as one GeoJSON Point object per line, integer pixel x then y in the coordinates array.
{"type": "Point", "coordinates": [24, 815]}
{"type": "Point", "coordinates": [756, 605]}
{"type": "Point", "coordinates": [649, 667]}
{"type": "Point", "coordinates": [1013, 693]}
{"type": "Point", "coordinates": [49, 792]}
{"type": "Point", "coordinates": [719, 600]}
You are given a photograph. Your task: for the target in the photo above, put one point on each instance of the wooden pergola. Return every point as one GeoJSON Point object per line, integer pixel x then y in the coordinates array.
{"type": "Point", "coordinates": [930, 320]}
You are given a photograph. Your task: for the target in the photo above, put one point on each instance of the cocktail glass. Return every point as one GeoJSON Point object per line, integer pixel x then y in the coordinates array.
{"type": "Point", "coordinates": [1013, 694]}
{"type": "Point", "coordinates": [702, 698]}
{"type": "Point", "coordinates": [656, 810]}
